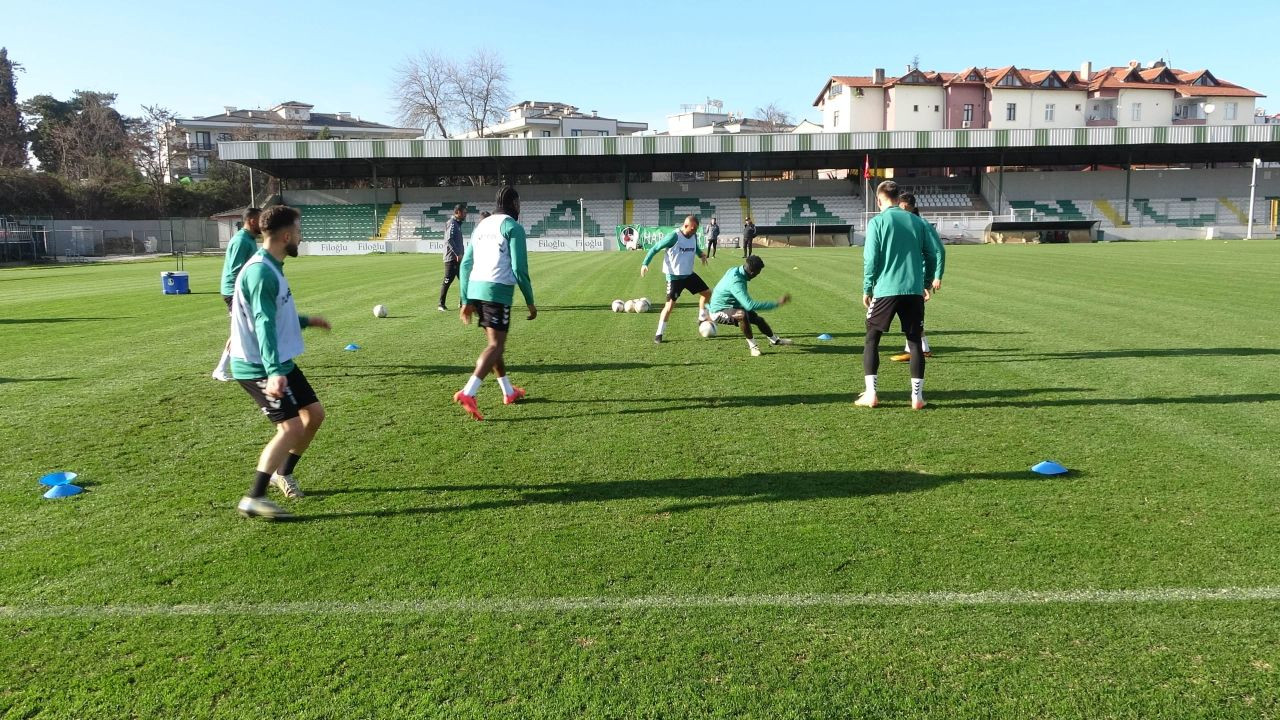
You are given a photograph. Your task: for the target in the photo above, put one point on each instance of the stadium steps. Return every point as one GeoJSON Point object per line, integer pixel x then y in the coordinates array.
{"type": "Point", "coordinates": [1053, 209]}
{"type": "Point", "coordinates": [340, 222]}
{"type": "Point", "coordinates": [389, 221]}
{"type": "Point", "coordinates": [1235, 209]}
{"type": "Point", "coordinates": [561, 218]}
{"type": "Point", "coordinates": [1109, 212]}
{"type": "Point", "coordinates": [1195, 220]}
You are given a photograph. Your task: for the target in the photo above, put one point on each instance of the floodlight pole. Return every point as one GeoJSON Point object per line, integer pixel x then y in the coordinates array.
{"type": "Point", "coordinates": [582, 225]}
{"type": "Point", "coordinates": [1253, 192]}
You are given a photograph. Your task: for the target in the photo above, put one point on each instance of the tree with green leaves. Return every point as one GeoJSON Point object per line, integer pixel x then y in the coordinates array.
{"type": "Point", "coordinates": [13, 136]}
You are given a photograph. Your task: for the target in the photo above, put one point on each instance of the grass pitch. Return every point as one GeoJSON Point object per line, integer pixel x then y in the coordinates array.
{"type": "Point", "coordinates": [673, 531]}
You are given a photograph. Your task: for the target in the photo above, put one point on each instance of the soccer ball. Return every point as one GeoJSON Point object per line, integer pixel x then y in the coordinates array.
{"type": "Point", "coordinates": [642, 305]}
{"type": "Point", "coordinates": [618, 306]}
{"type": "Point", "coordinates": [629, 306]}
{"type": "Point", "coordinates": [380, 311]}
{"type": "Point", "coordinates": [707, 329]}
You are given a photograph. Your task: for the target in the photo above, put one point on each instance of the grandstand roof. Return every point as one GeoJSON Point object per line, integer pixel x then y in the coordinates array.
{"type": "Point", "coordinates": [728, 153]}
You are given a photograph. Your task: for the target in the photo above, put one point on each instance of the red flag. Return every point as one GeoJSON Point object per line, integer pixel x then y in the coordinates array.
{"type": "Point", "coordinates": [866, 167]}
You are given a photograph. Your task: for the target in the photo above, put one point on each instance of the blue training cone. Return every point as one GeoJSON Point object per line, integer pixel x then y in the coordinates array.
{"type": "Point", "coordinates": [824, 336]}
{"type": "Point", "coordinates": [1048, 467]}
{"type": "Point", "coordinates": [61, 491]}
{"type": "Point", "coordinates": [351, 346]}
{"type": "Point", "coordinates": [62, 477]}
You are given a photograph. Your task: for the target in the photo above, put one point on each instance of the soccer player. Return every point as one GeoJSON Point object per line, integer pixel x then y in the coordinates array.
{"type": "Point", "coordinates": [898, 255]}
{"type": "Point", "coordinates": [731, 304]}
{"type": "Point", "coordinates": [493, 265]}
{"type": "Point", "coordinates": [748, 237]}
{"type": "Point", "coordinates": [713, 238]}
{"type": "Point", "coordinates": [452, 252]}
{"type": "Point", "coordinates": [681, 248]}
{"type": "Point", "coordinates": [242, 247]}
{"type": "Point", "coordinates": [907, 201]}
{"type": "Point", "coordinates": [266, 337]}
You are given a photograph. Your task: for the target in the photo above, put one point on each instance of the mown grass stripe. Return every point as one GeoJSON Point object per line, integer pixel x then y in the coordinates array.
{"type": "Point", "coordinates": [940, 599]}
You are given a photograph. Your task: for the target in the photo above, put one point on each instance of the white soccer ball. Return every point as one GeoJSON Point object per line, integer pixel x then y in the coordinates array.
{"type": "Point", "coordinates": [707, 329]}
{"type": "Point", "coordinates": [618, 306]}
{"type": "Point", "coordinates": [629, 306]}
{"type": "Point", "coordinates": [380, 311]}
{"type": "Point", "coordinates": [644, 305]}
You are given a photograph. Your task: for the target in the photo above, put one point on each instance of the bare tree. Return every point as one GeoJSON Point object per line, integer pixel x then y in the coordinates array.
{"type": "Point", "coordinates": [94, 145]}
{"type": "Point", "coordinates": [156, 146]}
{"type": "Point", "coordinates": [480, 87]}
{"type": "Point", "coordinates": [423, 93]}
{"type": "Point", "coordinates": [442, 95]}
{"type": "Point", "coordinates": [777, 119]}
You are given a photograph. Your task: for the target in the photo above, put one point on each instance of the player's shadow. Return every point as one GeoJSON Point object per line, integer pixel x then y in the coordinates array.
{"type": "Point", "coordinates": [49, 320]}
{"type": "Point", "coordinates": [929, 333]}
{"type": "Point", "coordinates": [1142, 353]}
{"type": "Point", "coordinates": [361, 371]}
{"type": "Point", "coordinates": [1013, 397]}
{"type": "Point", "coordinates": [895, 348]}
{"type": "Point", "coordinates": [4, 380]}
{"type": "Point", "coordinates": [676, 495]}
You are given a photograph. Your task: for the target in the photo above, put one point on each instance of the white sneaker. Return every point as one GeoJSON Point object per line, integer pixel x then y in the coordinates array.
{"type": "Point", "coordinates": [286, 485]}
{"type": "Point", "coordinates": [780, 341]}
{"type": "Point", "coordinates": [261, 507]}
{"type": "Point", "coordinates": [755, 352]}
{"type": "Point", "coordinates": [868, 400]}
{"type": "Point", "coordinates": [220, 375]}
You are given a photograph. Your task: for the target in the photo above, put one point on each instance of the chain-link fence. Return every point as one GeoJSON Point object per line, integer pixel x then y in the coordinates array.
{"type": "Point", "coordinates": [75, 240]}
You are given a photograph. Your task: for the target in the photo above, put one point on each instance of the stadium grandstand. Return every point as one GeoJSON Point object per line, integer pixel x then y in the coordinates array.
{"type": "Point", "coordinates": [1136, 183]}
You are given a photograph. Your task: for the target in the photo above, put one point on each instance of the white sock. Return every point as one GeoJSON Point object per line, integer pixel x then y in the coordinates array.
{"type": "Point", "coordinates": [224, 364]}
{"type": "Point", "coordinates": [505, 384]}
{"type": "Point", "coordinates": [472, 387]}
{"type": "Point", "coordinates": [924, 343]}
{"type": "Point", "coordinates": [870, 380]}
{"type": "Point", "coordinates": [662, 326]}
{"type": "Point", "coordinates": [752, 344]}
{"type": "Point", "coordinates": [703, 314]}
{"type": "Point", "coordinates": [774, 338]}
{"type": "Point", "coordinates": [917, 388]}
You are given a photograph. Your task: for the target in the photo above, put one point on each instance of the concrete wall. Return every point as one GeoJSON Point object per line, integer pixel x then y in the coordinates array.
{"type": "Point", "coordinates": [1157, 107]}
{"type": "Point", "coordinates": [1150, 184]}
{"type": "Point", "coordinates": [960, 95]}
{"type": "Point", "coordinates": [912, 107]}
{"type": "Point", "coordinates": [857, 114]}
{"type": "Point", "coordinates": [1245, 107]}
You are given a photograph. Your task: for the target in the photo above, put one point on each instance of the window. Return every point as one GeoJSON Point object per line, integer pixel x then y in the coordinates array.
{"type": "Point", "coordinates": [836, 89]}
{"type": "Point", "coordinates": [1049, 112]}
{"type": "Point", "coordinates": [1010, 80]}
{"type": "Point", "coordinates": [546, 133]}
{"type": "Point", "coordinates": [1232, 108]}
{"type": "Point", "coordinates": [937, 108]}
{"type": "Point", "coordinates": [1137, 112]}
{"type": "Point", "coordinates": [968, 113]}
{"type": "Point", "coordinates": [835, 119]}
{"type": "Point", "coordinates": [202, 141]}
{"type": "Point", "coordinates": [915, 108]}
{"type": "Point", "coordinates": [575, 133]}
{"type": "Point", "coordinates": [224, 137]}
{"type": "Point", "coordinates": [198, 164]}
{"type": "Point", "coordinates": [1011, 112]}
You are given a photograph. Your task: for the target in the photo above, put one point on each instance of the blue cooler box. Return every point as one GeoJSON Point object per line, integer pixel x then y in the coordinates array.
{"type": "Point", "coordinates": [175, 282]}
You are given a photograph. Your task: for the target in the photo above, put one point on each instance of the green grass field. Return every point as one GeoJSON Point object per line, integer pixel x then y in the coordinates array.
{"type": "Point", "coordinates": [660, 532]}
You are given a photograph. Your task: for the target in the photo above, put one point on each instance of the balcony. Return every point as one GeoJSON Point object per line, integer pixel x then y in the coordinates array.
{"type": "Point", "coordinates": [1100, 122]}
{"type": "Point", "coordinates": [200, 146]}
{"type": "Point", "coordinates": [1189, 121]}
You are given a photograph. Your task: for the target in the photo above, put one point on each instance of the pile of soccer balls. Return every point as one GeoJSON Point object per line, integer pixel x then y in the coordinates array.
{"type": "Point", "coordinates": [639, 305]}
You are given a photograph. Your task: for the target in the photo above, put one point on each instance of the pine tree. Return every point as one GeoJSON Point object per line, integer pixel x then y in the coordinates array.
{"type": "Point", "coordinates": [13, 140]}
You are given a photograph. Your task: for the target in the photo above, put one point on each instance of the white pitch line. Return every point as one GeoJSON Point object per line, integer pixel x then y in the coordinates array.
{"type": "Point", "coordinates": [480, 606]}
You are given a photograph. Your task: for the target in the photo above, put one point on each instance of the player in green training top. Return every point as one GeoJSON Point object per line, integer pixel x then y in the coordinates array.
{"type": "Point", "coordinates": [242, 247]}
{"type": "Point", "coordinates": [907, 201]}
{"type": "Point", "coordinates": [493, 265]}
{"type": "Point", "coordinates": [896, 258]}
{"type": "Point", "coordinates": [266, 336]}
{"type": "Point", "coordinates": [681, 247]}
{"type": "Point", "coordinates": [731, 304]}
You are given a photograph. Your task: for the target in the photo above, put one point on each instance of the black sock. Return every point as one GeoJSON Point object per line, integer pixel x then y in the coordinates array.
{"type": "Point", "coordinates": [260, 480]}
{"type": "Point", "coordinates": [290, 463]}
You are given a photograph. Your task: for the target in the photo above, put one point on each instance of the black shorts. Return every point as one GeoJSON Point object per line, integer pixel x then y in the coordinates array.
{"type": "Point", "coordinates": [227, 299]}
{"type": "Point", "coordinates": [908, 308]}
{"type": "Point", "coordinates": [691, 283]}
{"type": "Point", "coordinates": [297, 396]}
{"type": "Point", "coordinates": [492, 315]}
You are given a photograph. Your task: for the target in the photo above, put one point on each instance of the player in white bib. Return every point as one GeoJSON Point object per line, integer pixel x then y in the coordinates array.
{"type": "Point", "coordinates": [681, 248]}
{"type": "Point", "coordinates": [266, 337]}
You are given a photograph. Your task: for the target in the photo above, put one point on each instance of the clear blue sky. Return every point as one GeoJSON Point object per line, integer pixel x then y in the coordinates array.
{"type": "Point", "coordinates": [633, 61]}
